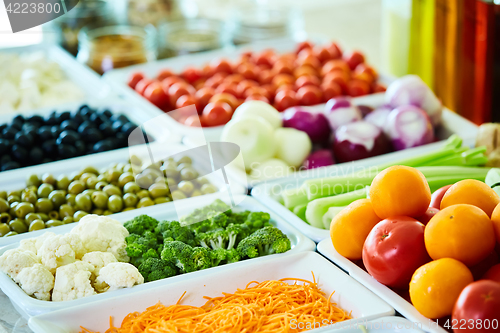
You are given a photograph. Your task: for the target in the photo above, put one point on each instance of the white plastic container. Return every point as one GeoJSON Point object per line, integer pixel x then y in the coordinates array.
{"type": "Point", "coordinates": [28, 306]}
{"type": "Point", "coordinates": [349, 294]}
{"type": "Point", "coordinates": [402, 306]}
{"type": "Point", "coordinates": [16, 179]}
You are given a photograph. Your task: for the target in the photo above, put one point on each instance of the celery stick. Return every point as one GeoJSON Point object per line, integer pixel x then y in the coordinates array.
{"type": "Point", "coordinates": [435, 183]}
{"type": "Point", "coordinates": [470, 157]}
{"type": "Point", "coordinates": [325, 187]}
{"type": "Point", "coordinates": [300, 211]}
{"type": "Point", "coordinates": [316, 209]}
{"type": "Point", "coordinates": [330, 214]}
{"type": "Point", "coordinates": [295, 197]}
{"type": "Point", "coordinates": [454, 171]}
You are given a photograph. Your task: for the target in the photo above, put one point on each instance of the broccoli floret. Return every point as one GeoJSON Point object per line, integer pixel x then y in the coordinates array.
{"type": "Point", "coordinates": [257, 220]}
{"type": "Point", "coordinates": [238, 218]}
{"type": "Point", "coordinates": [235, 233]}
{"type": "Point", "coordinates": [223, 256]}
{"type": "Point", "coordinates": [201, 258]}
{"type": "Point", "coordinates": [137, 245]}
{"type": "Point", "coordinates": [205, 213]}
{"type": "Point", "coordinates": [141, 224]}
{"type": "Point", "coordinates": [155, 269]}
{"type": "Point", "coordinates": [267, 240]}
{"type": "Point", "coordinates": [174, 231]}
{"type": "Point", "coordinates": [180, 255]}
{"type": "Point", "coordinates": [232, 255]}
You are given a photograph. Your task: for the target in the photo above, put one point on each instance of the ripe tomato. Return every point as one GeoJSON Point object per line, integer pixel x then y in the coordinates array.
{"type": "Point", "coordinates": [282, 79]}
{"type": "Point", "coordinates": [304, 71]}
{"type": "Point", "coordinates": [282, 67]}
{"type": "Point", "coordinates": [309, 60]}
{"type": "Point", "coordinates": [429, 214]}
{"type": "Point", "coordinates": [256, 97]}
{"type": "Point", "coordinates": [341, 78]}
{"type": "Point", "coordinates": [203, 97]}
{"type": "Point", "coordinates": [244, 85]}
{"type": "Point", "coordinates": [270, 89]}
{"type": "Point", "coordinates": [185, 100]}
{"type": "Point", "coordinates": [227, 98]}
{"type": "Point", "coordinates": [265, 58]}
{"type": "Point", "coordinates": [303, 45]}
{"type": "Point", "coordinates": [169, 81]}
{"type": "Point", "coordinates": [217, 113]}
{"type": "Point", "coordinates": [191, 74]}
{"type": "Point", "coordinates": [364, 77]}
{"type": "Point", "coordinates": [207, 71]}
{"type": "Point", "coordinates": [354, 58]}
{"type": "Point", "coordinates": [478, 308]}
{"type": "Point", "coordinates": [480, 269]}
{"type": "Point", "coordinates": [199, 84]}
{"type": "Point", "coordinates": [437, 196]}
{"type": "Point", "coordinates": [378, 87]}
{"type": "Point", "coordinates": [335, 50]}
{"type": "Point", "coordinates": [215, 80]}
{"type": "Point", "coordinates": [194, 121]}
{"type": "Point", "coordinates": [155, 94]}
{"type": "Point", "coordinates": [335, 65]}
{"type": "Point", "coordinates": [134, 79]}
{"type": "Point", "coordinates": [221, 66]}
{"type": "Point", "coordinates": [285, 99]}
{"type": "Point", "coordinates": [308, 80]}
{"type": "Point", "coordinates": [141, 86]}
{"type": "Point", "coordinates": [233, 78]}
{"type": "Point", "coordinates": [493, 274]}
{"type": "Point", "coordinates": [394, 249]}
{"type": "Point", "coordinates": [357, 88]}
{"type": "Point", "coordinates": [330, 90]}
{"type": "Point", "coordinates": [164, 73]}
{"type": "Point", "coordinates": [265, 76]}
{"type": "Point", "coordinates": [323, 53]}
{"type": "Point", "coordinates": [364, 68]}
{"type": "Point", "coordinates": [309, 95]}
{"type": "Point", "coordinates": [256, 91]}
{"type": "Point", "coordinates": [178, 89]}
{"type": "Point", "coordinates": [229, 88]}
{"type": "Point", "coordinates": [248, 71]}
{"type": "Point", "coordinates": [245, 57]}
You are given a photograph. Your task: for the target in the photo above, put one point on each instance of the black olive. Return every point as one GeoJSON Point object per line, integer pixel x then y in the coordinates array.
{"type": "Point", "coordinates": [80, 147]}
{"type": "Point", "coordinates": [49, 147]}
{"type": "Point", "coordinates": [10, 166]}
{"type": "Point", "coordinates": [36, 120]}
{"type": "Point", "coordinates": [4, 146]}
{"type": "Point", "coordinates": [55, 130]}
{"type": "Point", "coordinates": [78, 118]}
{"type": "Point", "coordinates": [30, 128]}
{"type": "Point", "coordinates": [66, 151]}
{"type": "Point", "coordinates": [9, 133]}
{"type": "Point", "coordinates": [103, 145]}
{"type": "Point", "coordinates": [5, 158]}
{"type": "Point", "coordinates": [68, 137]}
{"type": "Point", "coordinates": [16, 126]}
{"type": "Point", "coordinates": [128, 128]}
{"type": "Point", "coordinates": [84, 127]}
{"type": "Point", "coordinates": [44, 133]}
{"type": "Point", "coordinates": [107, 130]}
{"type": "Point", "coordinates": [64, 116]}
{"type": "Point", "coordinates": [2, 127]}
{"type": "Point", "coordinates": [36, 155]}
{"type": "Point", "coordinates": [19, 119]}
{"type": "Point", "coordinates": [96, 119]}
{"type": "Point", "coordinates": [93, 135]}
{"type": "Point", "coordinates": [19, 153]}
{"type": "Point", "coordinates": [24, 139]}
{"type": "Point", "coordinates": [107, 113]}
{"type": "Point", "coordinates": [69, 125]}
{"type": "Point", "coordinates": [119, 117]}
{"type": "Point", "coordinates": [51, 119]}
{"type": "Point", "coordinates": [84, 110]}
{"type": "Point", "coordinates": [117, 125]}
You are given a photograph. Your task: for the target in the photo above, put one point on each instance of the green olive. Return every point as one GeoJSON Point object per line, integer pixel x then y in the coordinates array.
{"type": "Point", "coordinates": [43, 216]}
{"type": "Point", "coordinates": [33, 180]}
{"type": "Point", "coordinates": [115, 203]}
{"type": "Point", "coordinates": [126, 209]}
{"type": "Point", "coordinates": [90, 169]}
{"type": "Point", "coordinates": [76, 187]}
{"type": "Point", "coordinates": [78, 215]}
{"type": "Point", "coordinates": [98, 211]}
{"type": "Point", "coordinates": [131, 187]}
{"type": "Point", "coordinates": [18, 226]}
{"type": "Point", "coordinates": [57, 198]}
{"type": "Point", "coordinates": [209, 188]}
{"type": "Point", "coordinates": [99, 186]}
{"type": "Point", "coordinates": [83, 202]}
{"type": "Point", "coordinates": [4, 229]}
{"type": "Point", "coordinates": [177, 195]}
{"type": "Point", "coordinates": [53, 223]}
{"type": "Point", "coordinates": [196, 193]}
{"type": "Point", "coordinates": [12, 210]}
{"type": "Point", "coordinates": [29, 196]}
{"type": "Point", "coordinates": [158, 190]}
{"type": "Point", "coordinates": [13, 198]}
{"type": "Point", "coordinates": [44, 190]}
{"type": "Point", "coordinates": [31, 217]}
{"type": "Point", "coordinates": [127, 168]}
{"type": "Point", "coordinates": [66, 210]}
{"type": "Point", "coordinates": [171, 182]}
{"type": "Point", "coordinates": [134, 159]}
{"type": "Point", "coordinates": [112, 175]}
{"type": "Point", "coordinates": [11, 233]}
{"type": "Point", "coordinates": [68, 219]}
{"type": "Point", "coordinates": [24, 208]}
{"type": "Point", "coordinates": [107, 212]}
{"type": "Point", "coordinates": [91, 182]}
{"type": "Point", "coordinates": [3, 195]}
{"type": "Point", "coordinates": [88, 192]}
{"type": "Point", "coordinates": [70, 199]}
{"type": "Point", "coordinates": [120, 166]}
{"type": "Point", "coordinates": [100, 199]}
{"type": "Point", "coordinates": [143, 194]}
{"type": "Point", "coordinates": [185, 159]}
{"type": "Point", "coordinates": [16, 193]}
{"type": "Point", "coordinates": [186, 186]}
{"type": "Point", "coordinates": [189, 173]}
{"type": "Point", "coordinates": [53, 215]}
{"type": "Point", "coordinates": [144, 180]}
{"type": "Point", "coordinates": [102, 178]}
{"type": "Point", "coordinates": [202, 181]}
{"type": "Point", "coordinates": [125, 178]}
{"type": "Point", "coordinates": [85, 176]}
{"type": "Point", "coordinates": [182, 166]}
{"type": "Point", "coordinates": [75, 175]}
{"type": "Point", "coordinates": [26, 223]}
{"type": "Point", "coordinates": [130, 200]}
{"type": "Point", "coordinates": [44, 205]}
{"type": "Point", "coordinates": [161, 200]}
{"type": "Point", "coordinates": [36, 225]}
{"type": "Point", "coordinates": [63, 182]}
{"type": "Point", "coordinates": [170, 170]}
{"type": "Point", "coordinates": [145, 202]}
{"type": "Point", "coordinates": [112, 190]}
{"type": "Point", "coordinates": [5, 217]}
{"type": "Point", "coordinates": [47, 178]}
{"type": "Point", "coordinates": [4, 205]}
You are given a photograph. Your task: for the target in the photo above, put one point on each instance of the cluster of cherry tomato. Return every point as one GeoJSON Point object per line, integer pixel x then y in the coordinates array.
{"type": "Point", "coordinates": [310, 75]}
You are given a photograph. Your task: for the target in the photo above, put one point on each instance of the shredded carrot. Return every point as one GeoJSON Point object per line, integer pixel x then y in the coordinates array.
{"type": "Point", "coordinates": [269, 306]}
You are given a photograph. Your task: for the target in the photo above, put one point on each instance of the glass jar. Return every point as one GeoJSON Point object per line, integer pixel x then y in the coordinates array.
{"type": "Point", "coordinates": [155, 12]}
{"type": "Point", "coordinates": [64, 30]}
{"type": "Point", "coordinates": [192, 36]}
{"type": "Point", "coordinates": [106, 48]}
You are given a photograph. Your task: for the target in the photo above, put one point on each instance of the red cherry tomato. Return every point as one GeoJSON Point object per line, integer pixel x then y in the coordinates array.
{"type": "Point", "coordinates": [364, 68]}
{"type": "Point", "coordinates": [364, 77]}
{"type": "Point", "coordinates": [256, 91]}
{"type": "Point", "coordinates": [303, 45]}
{"type": "Point", "coordinates": [233, 78]}
{"type": "Point", "coordinates": [335, 50]}
{"type": "Point", "coordinates": [226, 98]}
{"type": "Point", "coordinates": [192, 74]}
{"type": "Point", "coordinates": [282, 67]}
{"type": "Point", "coordinates": [245, 57]}
{"type": "Point", "coordinates": [323, 53]}
{"type": "Point", "coordinates": [354, 58]}
{"type": "Point", "coordinates": [230, 88]}
{"type": "Point", "coordinates": [287, 57]}
{"type": "Point", "coordinates": [244, 85]}
{"type": "Point", "coordinates": [265, 58]}
{"type": "Point", "coordinates": [178, 89]}
{"type": "Point", "coordinates": [169, 81]}
{"type": "Point", "coordinates": [185, 100]}
{"type": "Point", "coordinates": [307, 81]}
{"type": "Point", "coordinates": [437, 196]}
{"type": "Point", "coordinates": [256, 97]}
{"type": "Point", "coordinates": [341, 78]}
{"type": "Point", "coordinates": [194, 121]}
{"type": "Point", "coordinates": [155, 94]}
{"type": "Point", "coordinates": [357, 88]}
{"type": "Point", "coordinates": [493, 274]}
{"type": "Point", "coordinates": [164, 73]}
{"type": "Point", "coordinates": [304, 71]}
{"type": "Point", "coordinates": [215, 80]}
{"type": "Point", "coordinates": [335, 65]}
{"type": "Point", "coordinates": [285, 99]}
{"type": "Point", "coordinates": [134, 79]}
{"type": "Point", "coordinates": [265, 76]}
{"type": "Point", "coordinates": [331, 90]}
{"type": "Point", "coordinates": [222, 66]}
{"type": "Point", "coordinates": [309, 95]}
{"type": "Point", "coordinates": [203, 97]}
{"type": "Point", "coordinates": [199, 84]}
{"type": "Point", "coordinates": [207, 71]}
{"type": "Point", "coordinates": [282, 79]}
{"type": "Point", "coordinates": [480, 269]}
{"type": "Point", "coordinates": [428, 215]}
{"type": "Point", "coordinates": [270, 89]}
{"type": "Point", "coordinates": [217, 113]}
{"type": "Point", "coordinates": [378, 88]}
{"type": "Point", "coordinates": [394, 249]}
{"type": "Point", "coordinates": [309, 60]}
{"type": "Point", "coordinates": [142, 85]}
{"type": "Point", "coordinates": [478, 306]}
{"type": "Point", "coordinates": [248, 71]}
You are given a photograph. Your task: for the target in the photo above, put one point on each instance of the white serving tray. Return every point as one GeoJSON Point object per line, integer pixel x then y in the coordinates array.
{"type": "Point", "coordinates": [28, 306]}
{"type": "Point", "coordinates": [269, 193]}
{"type": "Point", "coordinates": [16, 179]}
{"type": "Point", "coordinates": [349, 294]}
{"type": "Point", "coordinates": [402, 306]}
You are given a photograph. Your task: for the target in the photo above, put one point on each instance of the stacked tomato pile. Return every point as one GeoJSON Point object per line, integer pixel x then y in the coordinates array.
{"type": "Point", "coordinates": [308, 76]}
{"type": "Point", "coordinates": [433, 247]}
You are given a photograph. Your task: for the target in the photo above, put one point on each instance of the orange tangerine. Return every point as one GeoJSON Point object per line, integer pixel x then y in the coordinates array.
{"type": "Point", "coordinates": [472, 192]}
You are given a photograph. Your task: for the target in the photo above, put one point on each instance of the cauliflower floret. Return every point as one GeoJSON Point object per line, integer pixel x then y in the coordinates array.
{"type": "Point", "coordinates": [34, 244]}
{"type": "Point", "coordinates": [98, 260]}
{"type": "Point", "coordinates": [14, 261]}
{"type": "Point", "coordinates": [37, 281]}
{"type": "Point", "coordinates": [73, 282]}
{"type": "Point", "coordinates": [103, 234]}
{"type": "Point", "coordinates": [118, 275]}
{"type": "Point", "coordinates": [61, 250]}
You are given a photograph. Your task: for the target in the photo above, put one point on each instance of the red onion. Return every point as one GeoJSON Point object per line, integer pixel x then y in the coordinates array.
{"type": "Point", "coordinates": [319, 158]}
{"type": "Point", "coordinates": [409, 126]}
{"type": "Point", "coordinates": [379, 116]}
{"type": "Point", "coordinates": [314, 124]}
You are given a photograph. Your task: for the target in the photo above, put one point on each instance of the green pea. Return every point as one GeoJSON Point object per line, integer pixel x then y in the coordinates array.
{"type": "Point", "coordinates": [98, 211]}
{"type": "Point", "coordinates": [29, 196]}
{"type": "Point", "coordinates": [208, 188]}
{"type": "Point", "coordinates": [90, 169]}
{"type": "Point", "coordinates": [83, 202]}
{"type": "Point", "coordinates": [57, 198]}
{"type": "Point", "coordinates": [130, 200]}
{"type": "Point", "coordinates": [4, 229]}
{"type": "Point", "coordinates": [131, 187]}
{"type": "Point", "coordinates": [76, 187]}
{"type": "Point", "coordinates": [43, 216]}
{"type": "Point", "coordinates": [113, 175]}
{"type": "Point", "coordinates": [3, 195]}
{"type": "Point", "coordinates": [99, 186]}
{"type": "Point", "coordinates": [44, 190]}
{"type": "Point", "coordinates": [5, 217]}
{"type": "Point", "coordinates": [4, 205]}
{"type": "Point", "coordinates": [112, 190]}
{"type": "Point", "coordinates": [100, 199]}
{"type": "Point", "coordinates": [186, 186]}
{"type": "Point", "coordinates": [47, 178]}
{"type": "Point", "coordinates": [65, 211]}
{"type": "Point", "coordinates": [126, 209]}
{"type": "Point", "coordinates": [31, 217]}
{"type": "Point", "coordinates": [68, 219]}
{"type": "Point", "coordinates": [161, 200]}
{"type": "Point", "coordinates": [145, 202]}
{"type": "Point", "coordinates": [196, 193]}
{"type": "Point", "coordinates": [107, 212]}
{"type": "Point", "coordinates": [11, 233]}
{"type": "Point", "coordinates": [53, 223]}
{"type": "Point", "coordinates": [115, 203]}
{"type": "Point", "coordinates": [24, 208]}
{"type": "Point", "coordinates": [36, 225]}
{"type": "Point", "coordinates": [125, 178]}
{"type": "Point", "coordinates": [158, 190]}
{"type": "Point", "coordinates": [70, 199]}
{"type": "Point", "coordinates": [185, 159]}
{"type": "Point", "coordinates": [178, 195]}
{"type": "Point", "coordinates": [18, 226]}
{"type": "Point", "coordinates": [189, 173]}
{"type": "Point", "coordinates": [91, 182]}
{"type": "Point", "coordinates": [33, 180]}
{"type": "Point", "coordinates": [44, 205]}
{"type": "Point", "coordinates": [143, 194]}
{"type": "Point", "coordinates": [78, 215]}
{"type": "Point", "coordinates": [53, 215]}
{"type": "Point", "coordinates": [13, 198]}
{"type": "Point", "coordinates": [63, 182]}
